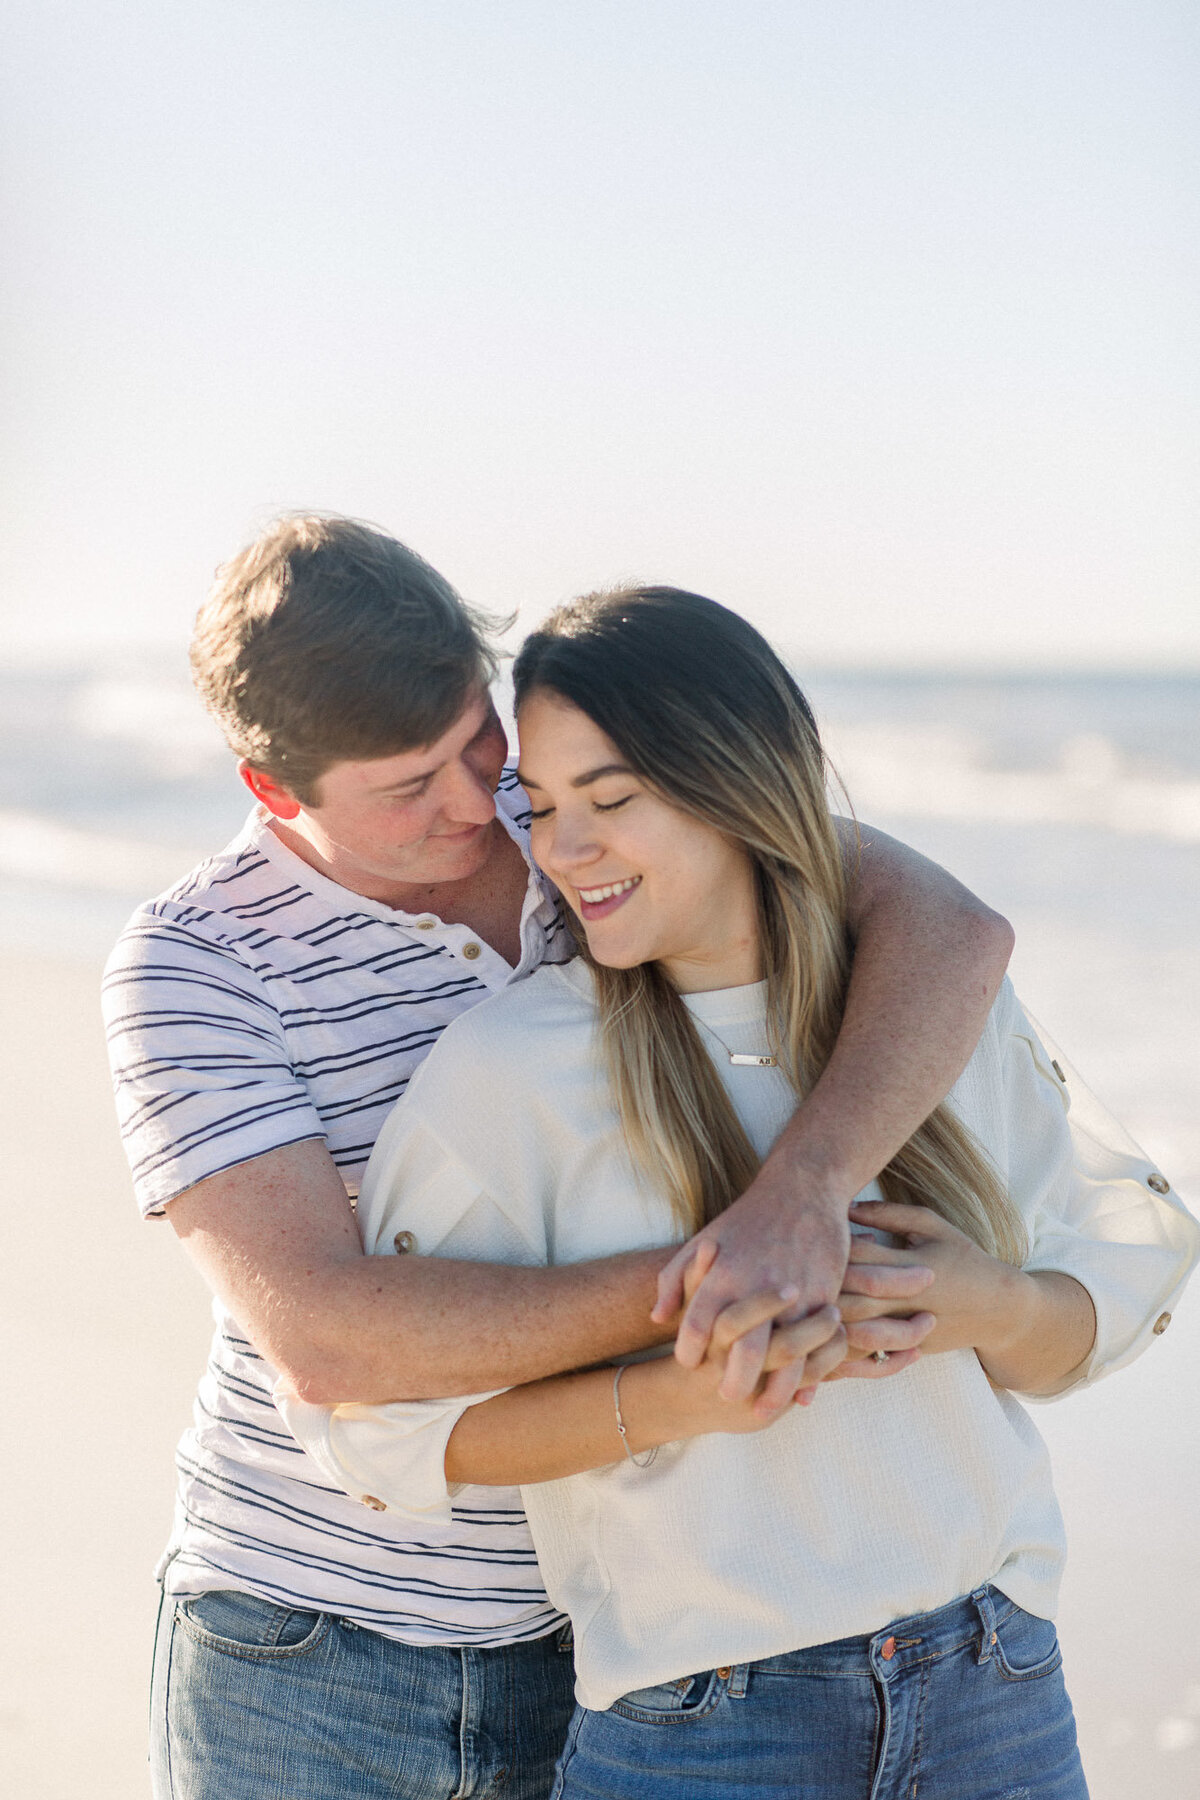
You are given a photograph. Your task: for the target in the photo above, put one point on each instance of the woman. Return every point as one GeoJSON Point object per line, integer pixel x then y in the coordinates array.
{"type": "Point", "coordinates": [867, 1587]}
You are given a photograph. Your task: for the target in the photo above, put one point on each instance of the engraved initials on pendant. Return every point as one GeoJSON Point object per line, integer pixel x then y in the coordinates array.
{"type": "Point", "coordinates": [753, 1062]}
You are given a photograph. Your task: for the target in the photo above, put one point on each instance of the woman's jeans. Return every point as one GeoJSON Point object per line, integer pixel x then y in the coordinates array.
{"type": "Point", "coordinates": [966, 1703]}
{"type": "Point", "coordinates": [254, 1701]}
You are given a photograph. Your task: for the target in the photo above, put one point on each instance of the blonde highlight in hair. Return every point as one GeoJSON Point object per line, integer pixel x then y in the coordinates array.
{"type": "Point", "coordinates": [705, 713]}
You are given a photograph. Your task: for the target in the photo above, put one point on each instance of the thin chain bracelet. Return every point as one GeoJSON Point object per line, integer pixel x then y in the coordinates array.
{"type": "Point", "coordinates": [647, 1456]}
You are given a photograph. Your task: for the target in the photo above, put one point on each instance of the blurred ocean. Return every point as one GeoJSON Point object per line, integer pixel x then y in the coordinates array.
{"type": "Point", "coordinates": [1071, 803]}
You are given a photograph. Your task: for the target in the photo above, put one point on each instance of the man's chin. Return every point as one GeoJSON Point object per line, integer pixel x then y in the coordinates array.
{"type": "Point", "coordinates": [462, 855]}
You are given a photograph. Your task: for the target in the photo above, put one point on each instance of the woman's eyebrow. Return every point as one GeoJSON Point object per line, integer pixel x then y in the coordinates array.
{"type": "Point", "coordinates": [579, 781]}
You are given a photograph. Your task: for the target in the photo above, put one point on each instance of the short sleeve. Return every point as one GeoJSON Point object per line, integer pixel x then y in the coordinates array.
{"type": "Point", "coordinates": [1095, 1206]}
{"type": "Point", "coordinates": [200, 1065]}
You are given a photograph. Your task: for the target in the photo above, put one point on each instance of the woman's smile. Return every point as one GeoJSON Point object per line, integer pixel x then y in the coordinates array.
{"type": "Point", "coordinates": [598, 902]}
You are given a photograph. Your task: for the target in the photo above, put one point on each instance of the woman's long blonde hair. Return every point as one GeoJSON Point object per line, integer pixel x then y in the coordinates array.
{"type": "Point", "coordinates": [703, 710]}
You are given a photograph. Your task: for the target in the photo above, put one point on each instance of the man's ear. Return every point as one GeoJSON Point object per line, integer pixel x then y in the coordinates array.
{"type": "Point", "coordinates": [268, 792]}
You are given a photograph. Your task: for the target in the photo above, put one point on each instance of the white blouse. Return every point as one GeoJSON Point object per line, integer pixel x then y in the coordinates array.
{"type": "Point", "coordinates": [883, 1499]}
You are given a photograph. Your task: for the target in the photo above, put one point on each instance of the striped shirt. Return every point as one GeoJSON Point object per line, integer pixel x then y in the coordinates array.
{"type": "Point", "coordinates": [254, 1005]}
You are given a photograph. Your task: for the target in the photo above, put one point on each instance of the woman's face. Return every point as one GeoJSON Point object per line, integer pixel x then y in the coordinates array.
{"type": "Point", "coordinates": [650, 883]}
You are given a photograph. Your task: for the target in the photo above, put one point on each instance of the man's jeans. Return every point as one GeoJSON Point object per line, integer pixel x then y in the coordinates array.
{"type": "Point", "coordinates": [966, 1703]}
{"type": "Point", "coordinates": [253, 1701]}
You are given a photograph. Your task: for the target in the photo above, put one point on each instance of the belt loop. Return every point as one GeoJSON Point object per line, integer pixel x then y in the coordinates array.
{"type": "Point", "coordinates": [739, 1676]}
{"type": "Point", "coordinates": [982, 1598]}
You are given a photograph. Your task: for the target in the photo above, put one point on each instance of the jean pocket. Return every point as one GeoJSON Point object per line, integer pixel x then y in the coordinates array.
{"type": "Point", "coordinates": [240, 1624]}
{"type": "Point", "coordinates": [672, 1702]}
{"type": "Point", "coordinates": [1026, 1647]}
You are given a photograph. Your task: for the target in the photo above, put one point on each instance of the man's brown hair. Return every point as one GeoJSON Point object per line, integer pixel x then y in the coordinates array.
{"type": "Point", "coordinates": [329, 641]}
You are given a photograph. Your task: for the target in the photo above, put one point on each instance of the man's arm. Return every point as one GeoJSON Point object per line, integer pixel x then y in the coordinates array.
{"type": "Point", "coordinates": [928, 961]}
{"type": "Point", "coordinates": [275, 1239]}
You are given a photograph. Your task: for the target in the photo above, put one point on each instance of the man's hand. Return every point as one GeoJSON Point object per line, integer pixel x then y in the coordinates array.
{"type": "Point", "coordinates": [770, 1239]}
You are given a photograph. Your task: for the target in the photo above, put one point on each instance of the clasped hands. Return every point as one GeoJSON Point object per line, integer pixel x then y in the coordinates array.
{"type": "Point", "coordinates": [760, 1344]}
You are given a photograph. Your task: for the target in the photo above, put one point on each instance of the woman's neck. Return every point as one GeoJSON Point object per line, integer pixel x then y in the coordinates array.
{"type": "Point", "coordinates": [736, 964]}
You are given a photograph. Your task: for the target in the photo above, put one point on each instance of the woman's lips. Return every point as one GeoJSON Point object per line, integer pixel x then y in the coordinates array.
{"type": "Point", "coordinates": [607, 897]}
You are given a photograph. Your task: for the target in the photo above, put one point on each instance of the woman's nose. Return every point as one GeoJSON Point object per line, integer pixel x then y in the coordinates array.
{"type": "Point", "coordinates": [572, 845]}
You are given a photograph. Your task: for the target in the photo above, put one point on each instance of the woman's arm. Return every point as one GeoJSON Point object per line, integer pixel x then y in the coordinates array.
{"type": "Point", "coordinates": [402, 1455]}
{"type": "Point", "coordinates": [1031, 1330]}
{"type": "Point", "coordinates": [563, 1426]}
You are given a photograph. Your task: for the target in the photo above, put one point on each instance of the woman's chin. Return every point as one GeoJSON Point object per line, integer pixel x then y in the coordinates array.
{"type": "Point", "coordinates": [613, 956]}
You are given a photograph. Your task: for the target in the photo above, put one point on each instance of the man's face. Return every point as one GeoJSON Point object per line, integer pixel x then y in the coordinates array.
{"type": "Point", "coordinates": [395, 823]}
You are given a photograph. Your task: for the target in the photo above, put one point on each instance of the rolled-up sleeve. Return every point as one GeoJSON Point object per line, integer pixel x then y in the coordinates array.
{"type": "Point", "coordinates": [392, 1455]}
{"type": "Point", "coordinates": [1097, 1208]}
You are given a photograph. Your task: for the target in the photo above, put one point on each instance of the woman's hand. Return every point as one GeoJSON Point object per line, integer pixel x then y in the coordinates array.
{"type": "Point", "coordinates": [1032, 1330]}
{"type": "Point", "coordinates": [663, 1401]}
{"type": "Point", "coordinates": [977, 1302]}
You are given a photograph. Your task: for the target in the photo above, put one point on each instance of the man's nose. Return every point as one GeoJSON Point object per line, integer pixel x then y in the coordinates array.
{"type": "Point", "coordinates": [471, 800]}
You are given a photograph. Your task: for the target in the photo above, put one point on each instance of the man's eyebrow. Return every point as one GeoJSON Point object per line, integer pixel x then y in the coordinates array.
{"type": "Point", "coordinates": [584, 780]}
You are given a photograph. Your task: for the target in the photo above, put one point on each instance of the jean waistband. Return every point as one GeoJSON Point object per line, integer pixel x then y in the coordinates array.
{"type": "Point", "coordinates": [971, 1620]}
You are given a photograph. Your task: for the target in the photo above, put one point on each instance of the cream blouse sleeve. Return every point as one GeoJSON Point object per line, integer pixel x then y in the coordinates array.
{"type": "Point", "coordinates": [420, 1197]}
{"type": "Point", "coordinates": [1095, 1205]}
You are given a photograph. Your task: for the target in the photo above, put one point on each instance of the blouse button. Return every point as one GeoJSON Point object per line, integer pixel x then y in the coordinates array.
{"type": "Point", "coordinates": [425, 924]}
{"type": "Point", "coordinates": [1159, 1183]}
{"type": "Point", "coordinates": [374, 1504]}
{"type": "Point", "coordinates": [404, 1242]}
{"type": "Point", "coordinates": [471, 951]}
{"type": "Point", "coordinates": [1161, 1323]}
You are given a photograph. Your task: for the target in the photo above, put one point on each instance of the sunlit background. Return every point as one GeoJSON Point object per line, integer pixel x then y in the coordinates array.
{"type": "Point", "coordinates": [875, 321]}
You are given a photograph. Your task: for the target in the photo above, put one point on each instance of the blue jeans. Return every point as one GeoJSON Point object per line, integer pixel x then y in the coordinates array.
{"type": "Point", "coordinates": [966, 1703]}
{"type": "Point", "coordinates": [253, 1701]}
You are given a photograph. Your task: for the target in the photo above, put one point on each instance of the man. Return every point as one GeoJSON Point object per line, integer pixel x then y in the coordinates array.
{"type": "Point", "coordinates": [264, 1015]}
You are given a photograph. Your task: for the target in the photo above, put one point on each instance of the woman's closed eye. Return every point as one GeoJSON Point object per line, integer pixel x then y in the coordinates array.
{"type": "Point", "coordinates": [600, 806]}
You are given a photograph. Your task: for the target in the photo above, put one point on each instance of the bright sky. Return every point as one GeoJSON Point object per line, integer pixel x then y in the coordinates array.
{"type": "Point", "coordinates": [875, 320]}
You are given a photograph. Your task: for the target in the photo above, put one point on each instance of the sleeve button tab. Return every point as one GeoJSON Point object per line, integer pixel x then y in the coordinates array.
{"type": "Point", "coordinates": [1161, 1323]}
{"type": "Point", "coordinates": [1159, 1183]}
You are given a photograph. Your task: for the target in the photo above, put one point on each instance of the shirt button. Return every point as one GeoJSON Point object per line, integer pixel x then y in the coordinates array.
{"type": "Point", "coordinates": [888, 1649]}
{"type": "Point", "coordinates": [1161, 1323]}
{"type": "Point", "coordinates": [374, 1504]}
{"type": "Point", "coordinates": [425, 924]}
{"type": "Point", "coordinates": [1159, 1183]}
{"type": "Point", "coordinates": [471, 951]}
{"type": "Point", "coordinates": [404, 1242]}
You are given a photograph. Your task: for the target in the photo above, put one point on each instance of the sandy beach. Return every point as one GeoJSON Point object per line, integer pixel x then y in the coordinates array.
{"type": "Point", "coordinates": [105, 1330]}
